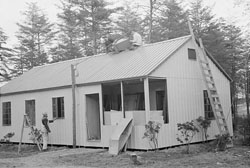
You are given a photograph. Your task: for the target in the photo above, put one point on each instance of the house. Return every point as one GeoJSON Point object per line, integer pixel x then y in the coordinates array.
{"type": "Point", "coordinates": [159, 82]}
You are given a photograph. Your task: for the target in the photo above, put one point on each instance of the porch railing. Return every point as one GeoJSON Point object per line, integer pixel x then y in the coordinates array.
{"type": "Point", "coordinates": [113, 117]}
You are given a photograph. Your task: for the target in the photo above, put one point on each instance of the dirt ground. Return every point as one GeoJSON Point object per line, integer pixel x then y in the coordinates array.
{"type": "Point", "coordinates": [200, 156]}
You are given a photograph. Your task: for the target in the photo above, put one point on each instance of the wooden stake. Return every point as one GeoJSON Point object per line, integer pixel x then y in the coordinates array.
{"type": "Point", "coordinates": [20, 142]}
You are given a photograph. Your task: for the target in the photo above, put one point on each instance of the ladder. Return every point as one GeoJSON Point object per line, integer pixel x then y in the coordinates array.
{"type": "Point", "coordinates": [27, 121]}
{"type": "Point", "coordinates": [211, 87]}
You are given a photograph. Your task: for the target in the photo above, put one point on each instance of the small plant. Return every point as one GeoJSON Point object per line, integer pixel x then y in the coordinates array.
{"type": "Point", "coordinates": [222, 141]}
{"type": "Point", "coordinates": [37, 135]}
{"type": "Point", "coordinates": [188, 131]}
{"type": "Point", "coordinates": [7, 137]}
{"type": "Point", "coordinates": [151, 133]}
{"type": "Point", "coordinates": [203, 124]}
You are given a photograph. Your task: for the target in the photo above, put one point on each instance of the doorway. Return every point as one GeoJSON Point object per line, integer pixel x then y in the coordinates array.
{"type": "Point", "coordinates": [93, 117]}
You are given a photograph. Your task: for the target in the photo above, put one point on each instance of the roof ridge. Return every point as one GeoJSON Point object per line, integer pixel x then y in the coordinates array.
{"type": "Point", "coordinates": [101, 54]}
{"type": "Point", "coordinates": [74, 59]}
{"type": "Point", "coordinates": [166, 41]}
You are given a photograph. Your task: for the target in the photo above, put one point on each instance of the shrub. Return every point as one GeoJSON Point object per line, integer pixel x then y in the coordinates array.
{"type": "Point", "coordinates": [188, 131]}
{"type": "Point", "coordinates": [152, 129]}
{"type": "Point", "coordinates": [222, 141]}
{"type": "Point", "coordinates": [7, 137]}
{"type": "Point", "coordinates": [37, 135]}
{"type": "Point", "coordinates": [203, 124]}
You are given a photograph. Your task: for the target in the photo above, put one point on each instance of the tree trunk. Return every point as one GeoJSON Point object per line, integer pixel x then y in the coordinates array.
{"type": "Point", "coordinates": [150, 21]}
{"type": "Point", "coordinates": [93, 30]}
{"type": "Point", "coordinates": [246, 85]}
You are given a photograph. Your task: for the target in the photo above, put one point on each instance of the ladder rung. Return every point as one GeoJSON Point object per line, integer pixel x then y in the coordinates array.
{"type": "Point", "coordinates": [214, 95]}
{"type": "Point", "coordinates": [212, 89]}
{"type": "Point", "coordinates": [219, 110]}
{"type": "Point", "coordinates": [221, 117]}
{"type": "Point", "coordinates": [206, 68]}
{"type": "Point", "coordinates": [209, 75]}
{"type": "Point", "coordinates": [204, 62]}
{"type": "Point", "coordinates": [223, 124]}
{"type": "Point", "coordinates": [211, 82]}
{"type": "Point", "coordinates": [217, 103]}
{"type": "Point", "coordinates": [225, 132]}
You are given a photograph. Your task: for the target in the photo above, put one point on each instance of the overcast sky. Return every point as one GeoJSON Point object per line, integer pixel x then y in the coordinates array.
{"type": "Point", "coordinates": [10, 12]}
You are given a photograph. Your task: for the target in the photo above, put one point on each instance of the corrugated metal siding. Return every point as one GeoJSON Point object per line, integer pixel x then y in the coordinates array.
{"type": "Point", "coordinates": [61, 129]}
{"type": "Point", "coordinates": [185, 95]}
{"type": "Point", "coordinates": [81, 118]}
{"type": "Point", "coordinates": [99, 68]}
{"type": "Point", "coordinates": [223, 87]}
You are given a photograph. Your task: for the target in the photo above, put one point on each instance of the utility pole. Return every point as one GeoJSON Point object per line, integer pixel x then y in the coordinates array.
{"type": "Point", "coordinates": [73, 77]}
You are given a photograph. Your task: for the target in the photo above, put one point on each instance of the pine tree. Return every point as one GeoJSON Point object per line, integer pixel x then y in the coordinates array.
{"type": "Point", "coordinates": [200, 17]}
{"type": "Point", "coordinates": [34, 37]}
{"type": "Point", "coordinates": [95, 21]}
{"type": "Point", "coordinates": [68, 38]}
{"type": "Point", "coordinates": [207, 28]}
{"type": "Point", "coordinates": [128, 19]}
{"type": "Point", "coordinates": [5, 56]}
{"type": "Point", "coordinates": [236, 60]}
{"type": "Point", "coordinates": [171, 23]}
{"type": "Point", "coordinates": [83, 24]}
{"type": "Point", "coordinates": [223, 41]}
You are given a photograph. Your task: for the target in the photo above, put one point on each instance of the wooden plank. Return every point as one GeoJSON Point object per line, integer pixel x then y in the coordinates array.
{"type": "Point", "coordinates": [21, 138]}
{"type": "Point", "coordinates": [120, 136]}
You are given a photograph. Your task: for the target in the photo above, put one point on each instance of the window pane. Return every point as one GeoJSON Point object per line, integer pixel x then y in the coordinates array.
{"type": "Point", "coordinates": [54, 105]}
{"type": "Point", "coordinates": [207, 106]}
{"type": "Point", "coordinates": [58, 107]}
{"type": "Point", "coordinates": [30, 110]}
{"type": "Point", "coordinates": [62, 107]}
{"type": "Point", "coordinates": [6, 113]}
{"type": "Point", "coordinates": [191, 54]}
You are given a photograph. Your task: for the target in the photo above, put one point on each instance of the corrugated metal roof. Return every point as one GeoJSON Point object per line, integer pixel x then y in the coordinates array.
{"type": "Point", "coordinates": [104, 67]}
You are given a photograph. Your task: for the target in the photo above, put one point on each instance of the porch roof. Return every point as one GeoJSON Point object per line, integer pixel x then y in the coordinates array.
{"type": "Point", "coordinates": [96, 69]}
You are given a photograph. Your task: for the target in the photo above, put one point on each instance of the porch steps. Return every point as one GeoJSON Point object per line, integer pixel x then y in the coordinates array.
{"type": "Point", "coordinates": [120, 136]}
{"type": "Point", "coordinates": [156, 117]}
{"type": "Point", "coordinates": [210, 86]}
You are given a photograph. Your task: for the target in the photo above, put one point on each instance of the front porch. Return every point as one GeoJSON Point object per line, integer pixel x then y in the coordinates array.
{"type": "Point", "coordinates": [141, 99]}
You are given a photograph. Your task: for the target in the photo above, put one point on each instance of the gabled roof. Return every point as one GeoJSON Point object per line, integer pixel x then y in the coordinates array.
{"type": "Point", "coordinates": [97, 69]}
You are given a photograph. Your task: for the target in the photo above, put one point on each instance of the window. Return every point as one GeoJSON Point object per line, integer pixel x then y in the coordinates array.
{"type": "Point", "coordinates": [207, 107]}
{"type": "Point", "coordinates": [6, 113]}
{"type": "Point", "coordinates": [30, 111]}
{"type": "Point", "coordinates": [191, 54]}
{"type": "Point", "coordinates": [58, 107]}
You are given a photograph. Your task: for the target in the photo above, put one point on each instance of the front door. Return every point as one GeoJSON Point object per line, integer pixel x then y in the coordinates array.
{"type": "Point", "coordinates": [93, 117]}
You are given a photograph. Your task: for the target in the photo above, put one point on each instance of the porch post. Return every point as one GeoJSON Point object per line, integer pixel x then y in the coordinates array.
{"type": "Point", "coordinates": [147, 101]}
{"type": "Point", "coordinates": [122, 100]}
